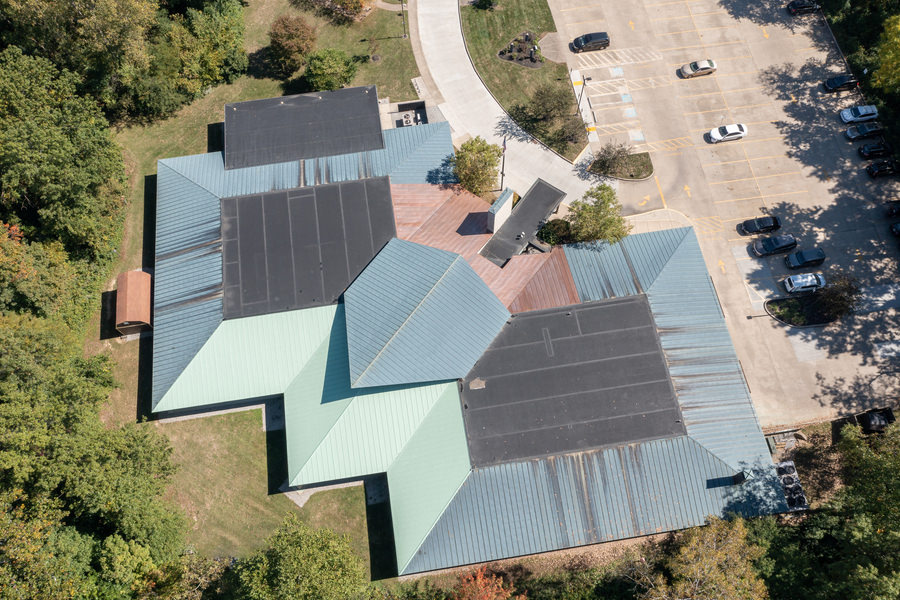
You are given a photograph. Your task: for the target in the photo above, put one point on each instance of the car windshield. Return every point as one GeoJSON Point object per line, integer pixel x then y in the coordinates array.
{"type": "Point", "coordinates": [694, 66]}
{"type": "Point", "coordinates": [723, 130]}
{"type": "Point", "coordinates": [579, 41]}
{"type": "Point", "coordinates": [770, 244]}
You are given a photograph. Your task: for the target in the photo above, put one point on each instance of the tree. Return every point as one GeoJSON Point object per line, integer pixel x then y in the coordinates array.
{"type": "Point", "coordinates": [477, 164]}
{"type": "Point", "coordinates": [479, 585]}
{"type": "Point", "coordinates": [887, 75]}
{"type": "Point", "coordinates": [597, 216]}
{"type": "Point", "coordinates": [125, 564]}
{"type": "Point", "coordinates": [840, 296]}
{"type": "Point", "coordinates": [61, 174]}
{"type": "Point", "coordinates": [551, 101]}
{"type": "Point", "coordinates": [329, 69]}
{"type": "Point", "coordinates": [301, 563]}
{"type": "Point", "coordinates": [611, 158]}
{"type": "Point", "coordinates": [291, 39]}
{"type": "Point", "coordinates": [555, 231]}
{"type": "Point", "coordinates": [714, 562]}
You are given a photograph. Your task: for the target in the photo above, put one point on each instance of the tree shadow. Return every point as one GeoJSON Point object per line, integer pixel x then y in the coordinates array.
{"type": "Point", "coordinates": [508, 127]}
{"type": "Point", "coordinates": [442, 175]}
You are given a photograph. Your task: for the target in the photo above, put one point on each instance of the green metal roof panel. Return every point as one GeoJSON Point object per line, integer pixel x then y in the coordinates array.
{"type": "Point", "coordinates": [417, 154]}
{"type": "Point", "coordinates": [718, 411]}
{"type": "Point", "coordinates": [559, 502]}
{"type": "Point", "coordinates": [418, 314]}
{"type": "Point", "coordinates": [335, 432]}
{"type": "Point", "coordinates": [208, 171]}
{"type": "Point", "coordinates": [505, 196]}
{"type": "Point", "coordinates": [250, 358]}
{"type": "Point", "coordinates": [426, 476]}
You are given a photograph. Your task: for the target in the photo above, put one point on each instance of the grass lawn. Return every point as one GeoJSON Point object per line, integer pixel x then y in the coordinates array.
{"type": "Point", "coordinates": [488, 31]}
{"type": "Point", "coordinates": [803, 310]}
{"type": "Point", "coordinates": [222, 484]}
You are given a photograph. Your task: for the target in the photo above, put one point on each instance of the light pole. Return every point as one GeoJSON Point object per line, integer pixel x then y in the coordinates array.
{"type": "Point", "coordinates": [584, 81]}
{"type": "Point", "coordinates": [403, 19]}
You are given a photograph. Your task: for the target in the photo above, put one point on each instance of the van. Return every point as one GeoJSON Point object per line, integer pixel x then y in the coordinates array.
{"type": "Point", "coordinates": [591, 41]}
{"type": "Point", "coordinates": [803, 283]}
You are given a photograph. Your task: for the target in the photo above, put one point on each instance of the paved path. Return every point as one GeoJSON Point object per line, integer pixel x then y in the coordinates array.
{"type": "Point", "coordinates": [471, 109]}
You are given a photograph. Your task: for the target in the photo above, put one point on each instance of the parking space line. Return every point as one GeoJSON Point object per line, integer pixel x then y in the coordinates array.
{"type": "Point", "coordinates": [730, 162]}
{"type": "Point", "coordinates": [666, 3]}
{"type": "Point", "coordinates": [722, 92]}
{"type": "Point", "coordinates": [701, 46]}
{"type": "Point", "coordinates": [760, 197]}
{"type": "Point", "coordinates": [577, 8]}
{"type": "Point", "coordinates": [754, 178]}
{"type": "Point", "coordinates": [695, 30]}
{"type": "Point", "coordinates": [588, 21]}
{"type": "Point", "coordinates": [719, 76]}
{"type": "Point", "coordinates": [718, 60]}
{"type": "Point", "coordinates": [730, 108]}
{"type": "Point", "coordinates": [745, 123]}
{"type": "Point", "coordinates": [659, 187]}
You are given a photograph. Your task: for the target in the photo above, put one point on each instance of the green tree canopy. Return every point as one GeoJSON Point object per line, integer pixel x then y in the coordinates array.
{"type": "Point", "coordinates": [301, 563]}
{"type": "Point", "coordinates": [329, 69]}
{"type": "Point", "coordinates": [61, 174]}
{"type": "Point", "coordinates": [887, 75]}
{"type": "Point", "coordinates": [476, 164]}
{"type": "Point", "coordinates": [715, 562]}
{"type": "Point", "coordinates": [598, 216]}
{"type": "Point", "coordinates": [291, 39]}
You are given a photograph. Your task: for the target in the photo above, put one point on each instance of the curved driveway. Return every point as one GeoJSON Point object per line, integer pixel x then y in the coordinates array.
{"type": "Point", "coordinates": [470, 108]}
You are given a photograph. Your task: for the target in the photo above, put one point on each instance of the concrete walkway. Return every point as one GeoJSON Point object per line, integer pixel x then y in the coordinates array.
{"type": "Point", "coordinates": [472, 111]}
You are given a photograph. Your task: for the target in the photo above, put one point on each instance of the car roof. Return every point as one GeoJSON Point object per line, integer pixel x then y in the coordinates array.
{"type": "Point", "coordinates": [802, 279]}
{"type": "Point", "coordinates": [597, 35]}
{"type": "Point", "coordinates": [812, 252]}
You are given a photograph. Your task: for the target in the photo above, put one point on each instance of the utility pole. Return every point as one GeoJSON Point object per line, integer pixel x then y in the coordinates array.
{"type": "Point", "coordinates": [584, 81]}
{"type": "Point", "coordinates": [503, 164]}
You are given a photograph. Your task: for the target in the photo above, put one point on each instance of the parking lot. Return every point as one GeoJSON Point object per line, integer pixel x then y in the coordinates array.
{"type": "Point", "coordinates": [794, 163]}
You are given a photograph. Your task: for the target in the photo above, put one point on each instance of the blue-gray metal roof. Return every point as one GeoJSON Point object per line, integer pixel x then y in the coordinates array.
{"type": "Point", "coordinates": [418, 314]}
{"type": "Point", "coordinates": [505, 196]}
{"type": "Point", "coordinates": [417, 154]}
{"type": "Point", "coordinates": [570, 500]}
{"type": "Point", "coordinates": [187, 291]}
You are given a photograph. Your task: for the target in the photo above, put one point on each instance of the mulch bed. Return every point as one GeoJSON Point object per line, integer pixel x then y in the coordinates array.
{"type": "Point", "coordinates": [523, 50]}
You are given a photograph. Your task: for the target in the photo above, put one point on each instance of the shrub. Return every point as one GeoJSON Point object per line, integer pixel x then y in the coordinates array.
{"type": "Point", "coordinates": [477, 165]}
{"type": "Point", "coordinates": [329, 69]}
{"type": "Point", "coordinates": [557, 231]}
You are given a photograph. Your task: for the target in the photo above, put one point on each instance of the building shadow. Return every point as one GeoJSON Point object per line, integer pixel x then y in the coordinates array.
{"type": "Point", "coordinates": [108, 315]}
{"type": "Point", "coordinates": [475, 223]}
{"type": "Point", "coordinates": [276, 459]}
{"type": "Point", "coordinates": [215, 137]}
{"type": "Point", "coordinates": [148, 262]}
{"type": "Point", "coordinates": [382, 552]}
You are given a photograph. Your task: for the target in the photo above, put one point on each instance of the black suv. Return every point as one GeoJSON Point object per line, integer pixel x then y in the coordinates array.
{"type": "Point", "coordinates": [882, 167]}
{"type": "Point", "coordinates": [802, 7]}
{"type": "Point", "coordinates": [773, 245]}
{"type": "Point", "coordinates": [875, 150]}
{"type": "Point", "coordinates": [591, 41]}
{"type": "Point", "coordinates": [864, 131]}
{"type": "Point", "coordinates": [760, 225]}
{"type": "Point", "coordinates": [841, 83]}
{"type": "Point", "coordinates": [812, 257]}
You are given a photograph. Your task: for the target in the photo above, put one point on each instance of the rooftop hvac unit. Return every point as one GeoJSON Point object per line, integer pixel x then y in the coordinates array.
{"type": "Point", "coordinates": [790, 482]}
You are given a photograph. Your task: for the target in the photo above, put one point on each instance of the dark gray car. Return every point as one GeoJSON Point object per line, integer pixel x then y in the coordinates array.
{"type": "Point", "coordinates": [591, 41]}
{"type": "Point", "coordinates": [773, 245]}
{"type": "Point", "coordinates": [811, 257]}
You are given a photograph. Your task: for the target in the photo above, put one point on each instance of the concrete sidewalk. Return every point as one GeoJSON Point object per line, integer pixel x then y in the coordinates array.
{"type": "Point", "coordinates": [472, 111]}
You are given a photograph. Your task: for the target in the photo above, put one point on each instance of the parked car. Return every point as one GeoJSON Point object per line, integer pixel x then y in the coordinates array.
{"type": "Point", "coordinates": [802, 7]}
{"type": "Point", "coordinates": [859, 114]}
{"type": "Point", "coordinates": [841, 83]}
{"type": "Point", "coordinates": [761, 225]}
{"type": "Point", "coordinates": [811, 257]}
{"type": "Point", "coordinates": [700, 67]}
{"type": "Point", "coordinates": [727, 133]}
{"type": "Point", "coordinates": [864, 131]}
{"type": "Point", "coordinates": [591, 41]}
{"type": "Point", "coordinates": [804, 283]}
{"type": "Point", "coordinates": [773, 245]}
{"type": "Point", "coordinates": [895, 229]}
{"type": "Point", "coordinates": [875, 150]}
{"type": "Point", "coordinates": [881, 168]}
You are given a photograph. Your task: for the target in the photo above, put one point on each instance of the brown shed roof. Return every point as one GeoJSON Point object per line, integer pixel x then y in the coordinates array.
{"type": "Point", "coordinates": [133, 297]}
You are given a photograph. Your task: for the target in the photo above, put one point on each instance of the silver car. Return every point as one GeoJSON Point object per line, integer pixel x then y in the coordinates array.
{"type": "Point", "coordinates": [727, 133]}
{"type": "Point", "coordinates": [804, 283]}
{"type": "Point", "coordinates": [700, 67]}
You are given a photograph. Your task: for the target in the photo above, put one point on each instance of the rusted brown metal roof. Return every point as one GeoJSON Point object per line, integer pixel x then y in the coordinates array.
{"type": "Point", "coordinates": [452, 219]}
{"type": "Point", "coordinates": [551, 286]}
{"type": "Point", "coordinates": [133, 298]}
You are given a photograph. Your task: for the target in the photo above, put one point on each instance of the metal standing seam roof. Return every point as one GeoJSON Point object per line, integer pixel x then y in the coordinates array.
{"type": "Point", "coordinates": [418, 314]}
{"type": "Point", "coordinates": [249, 358]}
{"type": "Point", "coordinates": [505, 196]}
{"type": "Point", "coordinates": [335, 432]}
{"type": "Point", "coordinates": [569, 500]}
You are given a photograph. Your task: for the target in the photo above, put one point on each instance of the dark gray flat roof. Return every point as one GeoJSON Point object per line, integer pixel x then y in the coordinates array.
{"type": "Point", "coordinates": [570, 379]}
{"type": "Point", "coordinates": [275, 130]}
{"type": "Point", "coordinates": [520, 227]}
{"type": "Point", "coordinates": [303, 247]}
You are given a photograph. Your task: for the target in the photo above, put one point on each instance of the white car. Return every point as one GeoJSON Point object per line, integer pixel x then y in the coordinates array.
{"type": "Point", "coordinates": [726, 133]}
{"type": "Point", "coordinates": [804, 283]}
{"type": "Point", "coordinates": [700, 67]}
{"type": "Point", "coordinates": [858, 114]}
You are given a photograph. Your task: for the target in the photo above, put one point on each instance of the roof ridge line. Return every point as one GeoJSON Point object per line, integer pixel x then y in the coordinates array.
{"type": "Point", "coordinates": [433, 213]}
{"type": "Point", "coordinates": [712, 454]}
{"type": "Point", "coordinates": [178, 172]}
{"type": "Point", "coordinates": [686, 229]}
{"type": "Point", "coordinates": [408, 317]}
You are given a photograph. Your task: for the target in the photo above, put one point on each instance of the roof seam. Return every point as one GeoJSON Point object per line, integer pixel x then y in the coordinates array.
{"type": "Point", "coordinates": [662, 268]}
{"type": "Point", "coordinates": [186, 177]}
